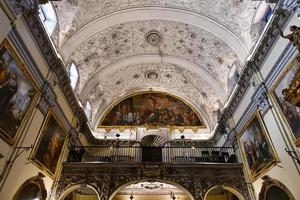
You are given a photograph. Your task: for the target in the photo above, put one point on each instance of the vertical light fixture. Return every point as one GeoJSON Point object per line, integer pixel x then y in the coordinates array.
{"type": "Point", "coordinates": [131, 196]}
{"type": "Point", "coordinates": [173, 195]}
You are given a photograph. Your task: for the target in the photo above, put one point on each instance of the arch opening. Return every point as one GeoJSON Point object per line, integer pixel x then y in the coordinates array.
{"type": "Point", "coordinates": [223, 193]}
{"type": "Point", "coordinates": [151, 189]}
{"type": "Point", "coordinates": [80, 192]}
{"type": "Point", "coordinates": [32, 188]}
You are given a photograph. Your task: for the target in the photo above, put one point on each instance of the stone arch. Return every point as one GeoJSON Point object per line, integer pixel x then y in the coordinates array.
{"type": "Point", "coordinates": [268, 183]}
{"type": "Point", "coordinates": [38, 182]}
{"type": "Point", "coordinates": [171, 182]}
{"type": "Point", "coordinates": [231, 189]}
{"type": "Point", "coordinates": [72, 188]}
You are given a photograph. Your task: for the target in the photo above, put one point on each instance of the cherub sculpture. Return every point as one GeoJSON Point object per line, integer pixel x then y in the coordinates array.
{"type": "Point", "coordinates": [294, 37]}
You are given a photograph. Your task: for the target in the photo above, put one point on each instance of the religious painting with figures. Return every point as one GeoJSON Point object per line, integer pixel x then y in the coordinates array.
{"type": "Point", "coordinates": [50, 145]}
{"type": "Point", "coordinates": [256, 147]}
{"type": "Point", "coordinates": [290, 113]}
{"type": "Point", "coordinates": [16, 93]}
{"type": "Point", "coordinates": [152, 109]}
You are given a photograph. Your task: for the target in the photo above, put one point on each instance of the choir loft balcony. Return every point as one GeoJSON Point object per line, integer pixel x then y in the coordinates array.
{"type": "Point", "coordinates": [137, 154]}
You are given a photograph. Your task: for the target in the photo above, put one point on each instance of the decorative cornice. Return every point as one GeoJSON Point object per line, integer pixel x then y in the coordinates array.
{"type": "Point", "coordinates": [290, 5]}
{"type": "Point", "coordinates": [26, 7]}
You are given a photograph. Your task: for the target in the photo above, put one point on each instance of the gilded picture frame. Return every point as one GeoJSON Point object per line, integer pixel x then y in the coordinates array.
{"type": "Point", "coordinates": [50, 145]}
{"type": "Point", "coordinates": [18, 93]}
{"type": "Point", "coordinates": [256, 147]}
{"type": "Point", "coordinates": [289, 114]}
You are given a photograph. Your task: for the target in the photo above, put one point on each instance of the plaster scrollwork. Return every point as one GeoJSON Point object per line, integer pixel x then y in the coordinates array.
{"type": "Point", "coordinates": [235, 14]}
{"type": "Point", "coordinates": [128, 39]}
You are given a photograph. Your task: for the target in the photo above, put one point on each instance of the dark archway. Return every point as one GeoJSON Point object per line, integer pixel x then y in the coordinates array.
{"type": "Point", "coordinates": [274, 189]}
{"type": "Point", "coordinates": [225, 191]}
{"type": "Point", "coordinates": [79, 190]}
{"type": "Point", "coordinates": [32, 188]}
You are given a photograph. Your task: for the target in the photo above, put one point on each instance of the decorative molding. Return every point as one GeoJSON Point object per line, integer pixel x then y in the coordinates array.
{"type": "Point", "coordinates": [109, 178]}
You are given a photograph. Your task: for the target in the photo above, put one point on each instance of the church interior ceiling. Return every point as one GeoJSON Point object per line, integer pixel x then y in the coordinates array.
{"type": "Point", "coordinates": [154, 53]}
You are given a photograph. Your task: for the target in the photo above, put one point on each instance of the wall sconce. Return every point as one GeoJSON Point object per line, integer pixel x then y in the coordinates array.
{"type": "Point", "coordinates": [292, 154]}
{"type": "Point", "coordinates": [131, 196]}
{"type": "Point", "coordinates": [172, 195]}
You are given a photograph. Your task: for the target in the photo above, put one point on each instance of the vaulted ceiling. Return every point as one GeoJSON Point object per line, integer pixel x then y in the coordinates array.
{"type": "Point", "coordinates": [183, 47]}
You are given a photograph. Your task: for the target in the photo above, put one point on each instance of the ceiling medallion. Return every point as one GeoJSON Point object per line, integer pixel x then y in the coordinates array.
{"type": "Point", "coordinates": [154, 38]}
{"type": "Point", "coordinates": [151, 75]}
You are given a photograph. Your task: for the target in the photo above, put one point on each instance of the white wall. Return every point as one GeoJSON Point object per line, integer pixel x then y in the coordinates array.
{"type": "Point", "coordinates": [286, 171]}
{"type": "Point", "coordinates": [22, 169]}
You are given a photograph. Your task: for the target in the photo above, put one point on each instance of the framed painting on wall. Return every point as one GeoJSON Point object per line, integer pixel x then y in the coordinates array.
{"type": "Point", "coordinates": [289, 113]}
{"type": "Point", "coordinates": [50, 145]}
{"type": "Point", "coordinates": [257, 151]}
{"type": "Point", "coordinates": [18, 93]}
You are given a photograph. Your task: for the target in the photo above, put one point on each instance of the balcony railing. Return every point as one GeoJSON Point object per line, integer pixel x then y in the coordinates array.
{"type": "Point", "coordinates": [182, 155]}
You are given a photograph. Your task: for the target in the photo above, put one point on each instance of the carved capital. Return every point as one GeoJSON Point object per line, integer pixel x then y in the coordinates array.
{"type": "Point", "coordinates": [261, 98]}
{"type": "Point", "coordinates": [47, 98]}
{"type": "Point", "coordinates": [290, 5]}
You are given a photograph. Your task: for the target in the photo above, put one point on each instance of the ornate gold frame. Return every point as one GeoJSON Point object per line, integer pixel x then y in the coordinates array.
{"type": "Point", "coordinates": [38, 141]}
{"type": "Point", "coordinates": [122, 128]}
{"type": "Point", "coordinates": [33, 83]}
{"type": "Point", "coordinates": [277, 107]}
{"type": "Point", "coordinates": [38, 181]}
{"type": "Point", "coordinates": [268, 183]}
{"type": "Point", "coordinates": [275, 160]}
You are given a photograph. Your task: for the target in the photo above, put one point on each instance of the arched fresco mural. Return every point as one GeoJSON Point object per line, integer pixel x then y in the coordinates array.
{"type": "Point", "coordinates": [151, 110]}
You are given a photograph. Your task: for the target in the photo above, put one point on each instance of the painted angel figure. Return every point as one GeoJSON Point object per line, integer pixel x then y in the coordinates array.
{"type": "Point", "coordinates": [294, 37]}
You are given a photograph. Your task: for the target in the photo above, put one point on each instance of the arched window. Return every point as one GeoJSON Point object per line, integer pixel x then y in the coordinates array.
{"type": "Point", "coordinates": [260, 20]}
{"type": "Point", "coordinates": [48, 16]}
{"type": "Point", "coordinates": [73, 74]}
{"type": "Point", "coordinates": [88, 110]}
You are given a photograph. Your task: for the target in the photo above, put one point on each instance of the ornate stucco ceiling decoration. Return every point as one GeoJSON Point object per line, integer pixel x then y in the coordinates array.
{"type": "Point", "coordinates": [234, 14]}
{"type": "Point", "coordinates": [151, 188]}
{"type": "Point", "coordinates": [154, 38]}
{"type": "Point", "coordinates": [107, 89]}
{"type": "Point", "coordinates": [180, 41]}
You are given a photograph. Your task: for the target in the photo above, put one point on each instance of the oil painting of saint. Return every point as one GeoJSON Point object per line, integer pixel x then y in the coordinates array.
{"type": "Point", "coordinates": [50, 145]}
{"type": "Point", "coordinates": [151, 109]}
{"type": "Point", "coordinates": [290, 112]}
{"type": "Point", "coordinates": [16, 93]}
{"type": "Point", "coordinates": [256, 147]}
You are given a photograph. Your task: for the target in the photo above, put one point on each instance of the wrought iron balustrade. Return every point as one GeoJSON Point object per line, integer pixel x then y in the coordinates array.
{"type": "Point", "coordinates": [135, 154]}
